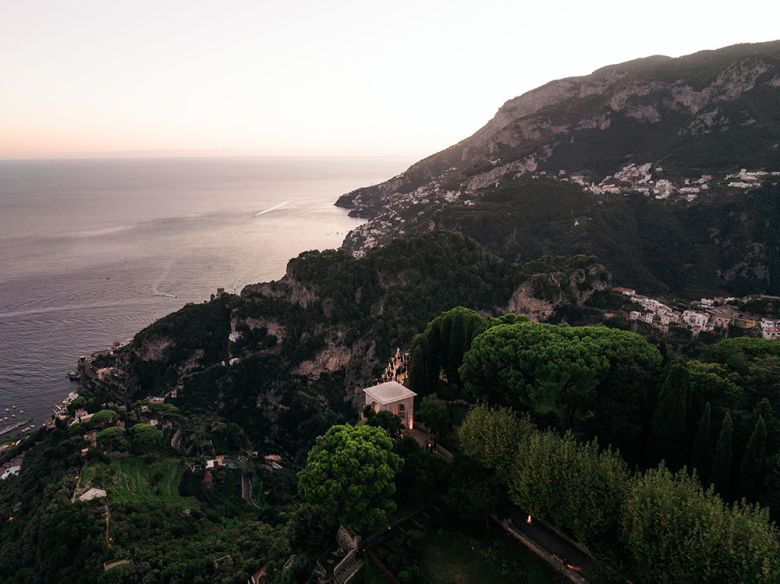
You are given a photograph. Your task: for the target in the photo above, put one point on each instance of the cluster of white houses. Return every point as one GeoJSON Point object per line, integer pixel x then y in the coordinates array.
{"type": "Point", "coordinates": [713, 314]}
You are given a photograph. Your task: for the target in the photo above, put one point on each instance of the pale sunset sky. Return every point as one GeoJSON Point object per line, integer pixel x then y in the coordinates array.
{"type": "Point", "coordinates": [301, 78]}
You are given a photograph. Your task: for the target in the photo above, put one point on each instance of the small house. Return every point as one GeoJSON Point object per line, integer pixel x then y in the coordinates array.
{"type": "Point", "coordinates": [392, 397]}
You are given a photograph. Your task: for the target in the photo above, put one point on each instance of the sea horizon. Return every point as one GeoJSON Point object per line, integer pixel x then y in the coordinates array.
{"type": "Point", "coordinates": [94, 250]}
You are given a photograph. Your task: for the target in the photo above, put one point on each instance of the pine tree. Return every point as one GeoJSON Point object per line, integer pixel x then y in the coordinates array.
{"type": "Point", "coordinates": [753, 461]}
{"type": "Point", "coordinates": [722, 459]}
{"type": "Point", "coordinates": [668, 429]}
{"type": "Point", "coordinates": [700, 458]}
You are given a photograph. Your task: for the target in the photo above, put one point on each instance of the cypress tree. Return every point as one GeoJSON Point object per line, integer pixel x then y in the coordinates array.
{"type": "Point", "coordinates": [700, 458]}
{"type": "Point", "coordinates": [419, 376]}
{"type": "Point", "coordinates": [753, 460]}
{"type": "Point", "coordinates": [455, 348]}
{"type": "Point", "coordinates": [722, 459]}
{"type": "Point", "coordinates": [668, 429]}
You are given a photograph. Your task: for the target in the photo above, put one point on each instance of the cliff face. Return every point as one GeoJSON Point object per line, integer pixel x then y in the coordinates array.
{"type": "Point", "coordinates": [543, 292]}
{"type": "Point", "coordinates": [289, 358]}
{"type": "Point", "coordinates": [672, 131]}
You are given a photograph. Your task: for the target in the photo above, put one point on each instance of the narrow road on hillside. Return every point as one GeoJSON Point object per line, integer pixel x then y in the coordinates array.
{"type": "Point", "coordinates": [246, 490]}
{"type": "Point", "coordinates": [549, 540]}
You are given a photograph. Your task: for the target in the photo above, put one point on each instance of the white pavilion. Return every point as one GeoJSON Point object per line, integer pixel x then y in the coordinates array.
{"type": "Point", "coordinates": [392, 397]}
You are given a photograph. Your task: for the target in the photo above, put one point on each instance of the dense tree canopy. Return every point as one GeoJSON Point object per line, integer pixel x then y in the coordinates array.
{"type": "Point", "coordinates": [113, 438]}
{"type": "Point", "coordinates": [145, 438]}
{"type": "Point", "coordinates": [675, 531]}
{"type": "Point", "coordinates": [491, 436]}
{"type": "Point", "coordinates": [438, 351]}
{"type": "Point", "coordinates": [387, 421]}
{"type": "Point", "coordinates": [575, 485]}
{"type": "Point", "coordinates": [666, 526]}
{"type": "Point", "coordinates": [581, 378]}
{"type": "Point", "coordinates": [349, 476]}
{"type": "Point", "coordinates": [434, 413]}
{"type": "Point", "coordinates": [668, 430]}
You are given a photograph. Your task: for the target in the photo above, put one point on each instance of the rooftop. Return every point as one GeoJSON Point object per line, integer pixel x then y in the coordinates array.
{"type": "Point", "coordinates": [93, 493]}
{"type": "Point", "coordinates": [388, 392]}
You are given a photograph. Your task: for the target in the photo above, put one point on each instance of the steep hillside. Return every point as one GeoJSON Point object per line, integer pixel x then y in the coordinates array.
{"type": "Point", "coordinates": [664, 168]}
{"type": "Point", "coordinates": [287, 359]}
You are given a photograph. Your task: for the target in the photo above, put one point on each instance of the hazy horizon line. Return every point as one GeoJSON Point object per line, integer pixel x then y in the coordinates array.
{"type": "Point", "coordinates": [172, 155]}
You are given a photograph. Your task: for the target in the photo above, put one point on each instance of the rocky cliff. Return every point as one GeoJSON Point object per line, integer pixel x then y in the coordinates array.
{"type": "Point", "coordinates": [678, 133]}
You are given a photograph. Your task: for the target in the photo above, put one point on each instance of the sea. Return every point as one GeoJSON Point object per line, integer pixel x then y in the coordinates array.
{"type": "Point", "coordinates": [92, 251]}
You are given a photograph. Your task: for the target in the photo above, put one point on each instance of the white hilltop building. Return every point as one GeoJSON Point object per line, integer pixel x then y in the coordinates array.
{"type": "Point", "coordinates": [392, 397]}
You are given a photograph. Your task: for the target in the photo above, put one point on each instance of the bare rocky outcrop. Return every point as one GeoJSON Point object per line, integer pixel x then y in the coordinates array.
{"type": "Point", "coordinates": [539, 296]}
{"type": "Point", "coordinates": [271, 326]}
{"type": "Point", "coordinates": [333, 357]}
{"type": "Point", "coordinates": [153, 349]}
{"type": "Point", "coordinates": [288, 288]}
{"type": "Point", "coordinates": [523, 302]}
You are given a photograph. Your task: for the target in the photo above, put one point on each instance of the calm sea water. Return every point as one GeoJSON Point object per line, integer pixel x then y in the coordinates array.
{"type": "Point", "coordinates": [91, 251]}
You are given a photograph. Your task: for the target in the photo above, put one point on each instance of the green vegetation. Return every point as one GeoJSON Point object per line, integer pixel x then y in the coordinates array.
{"type": "Point", "coordinates": [145, 438]}
{"type": "Point", "coordinates": [700, 457]}
{"type": "Point", "coordinates": [349, 476]}
{"type": "Point", "coordinates": [139, 481]}
{"type": "Point", "coordinates": [438, 351]}
{"type": "Point", "coordinates": [103, 418]}
{"type": "Point", "coordinates": [568, 399]}
{"type": "Point", "coordinates": [666, 525]}
{"type": "Point", "coordinates": [492, 435]}
{"type": "Point", "coordinates": [723, 459]}
{"type": "Point", "coordinates": [456, 558]}
{"type": "Point", "coordinates": [675, 531]}
{"type": "Point", "coordinates": [113, 439]}
{"type": "Point", "coordinates": [434, 413]}
{"type": "Point", "coordinates": [669, 425]}
{"type": "Point", "coordinates": [592, 380]}
{"type": "Point", "coordinates": [385, 420]}
{"type": "Point", "coordinates": [751, 470]}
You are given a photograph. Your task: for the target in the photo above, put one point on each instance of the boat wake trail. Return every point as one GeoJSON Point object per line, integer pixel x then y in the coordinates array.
{"type": "Point", "coordinates": [269, 209]}
{"type": "Point", "coordinates": [156, 287]}
{"type": "Point", "coordinates": [70, 307]}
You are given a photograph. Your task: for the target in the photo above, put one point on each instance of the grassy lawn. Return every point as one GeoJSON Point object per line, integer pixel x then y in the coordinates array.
{"type": "Point", "coordinates": [453, 558]}
{"type": "Point", "coordinates": [137, 480]}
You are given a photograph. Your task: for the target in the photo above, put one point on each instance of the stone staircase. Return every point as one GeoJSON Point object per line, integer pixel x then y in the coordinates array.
{"type": "Point", "coordinates": [347, 568]}
{"type": "Point", "coordinates": [349, 565]}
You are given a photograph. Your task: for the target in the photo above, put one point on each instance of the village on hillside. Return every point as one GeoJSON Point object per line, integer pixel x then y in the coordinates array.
{"type": "Point", "coordinates": [719, 315]}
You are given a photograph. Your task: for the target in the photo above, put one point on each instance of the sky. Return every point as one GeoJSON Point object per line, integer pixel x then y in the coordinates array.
{"type": "Point", "coordinates": [313, 78]}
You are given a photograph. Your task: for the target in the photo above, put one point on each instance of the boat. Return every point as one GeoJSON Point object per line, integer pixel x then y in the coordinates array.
{"type": "Point", "coordinates": [73, 375]}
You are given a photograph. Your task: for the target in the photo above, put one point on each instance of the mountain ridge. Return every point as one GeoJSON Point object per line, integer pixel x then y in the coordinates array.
{"type": "Point", "coordinates": [686, 131]}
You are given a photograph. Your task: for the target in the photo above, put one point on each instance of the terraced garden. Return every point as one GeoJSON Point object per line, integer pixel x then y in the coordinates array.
{"type": "Point", "coordinates": [137, 480]}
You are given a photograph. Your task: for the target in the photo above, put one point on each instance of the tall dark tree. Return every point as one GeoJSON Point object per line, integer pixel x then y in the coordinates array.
{"type": "Point", "coordinates": [452, 355]}
{"type": "Point", "coordinates": [420, 379]}
{"type": "Point", "coordinates": [722, 460]}
{"type": "Point", "coordinates": [435, 414]}
{"type": "Point", "coordinates": [668, 429]}
{"type": "Point", "coordinates": [441, 347]}
{"type": "Point", "coordinates": [701, 455]}
{"type": "Point", "coordinates": [751, 471]}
